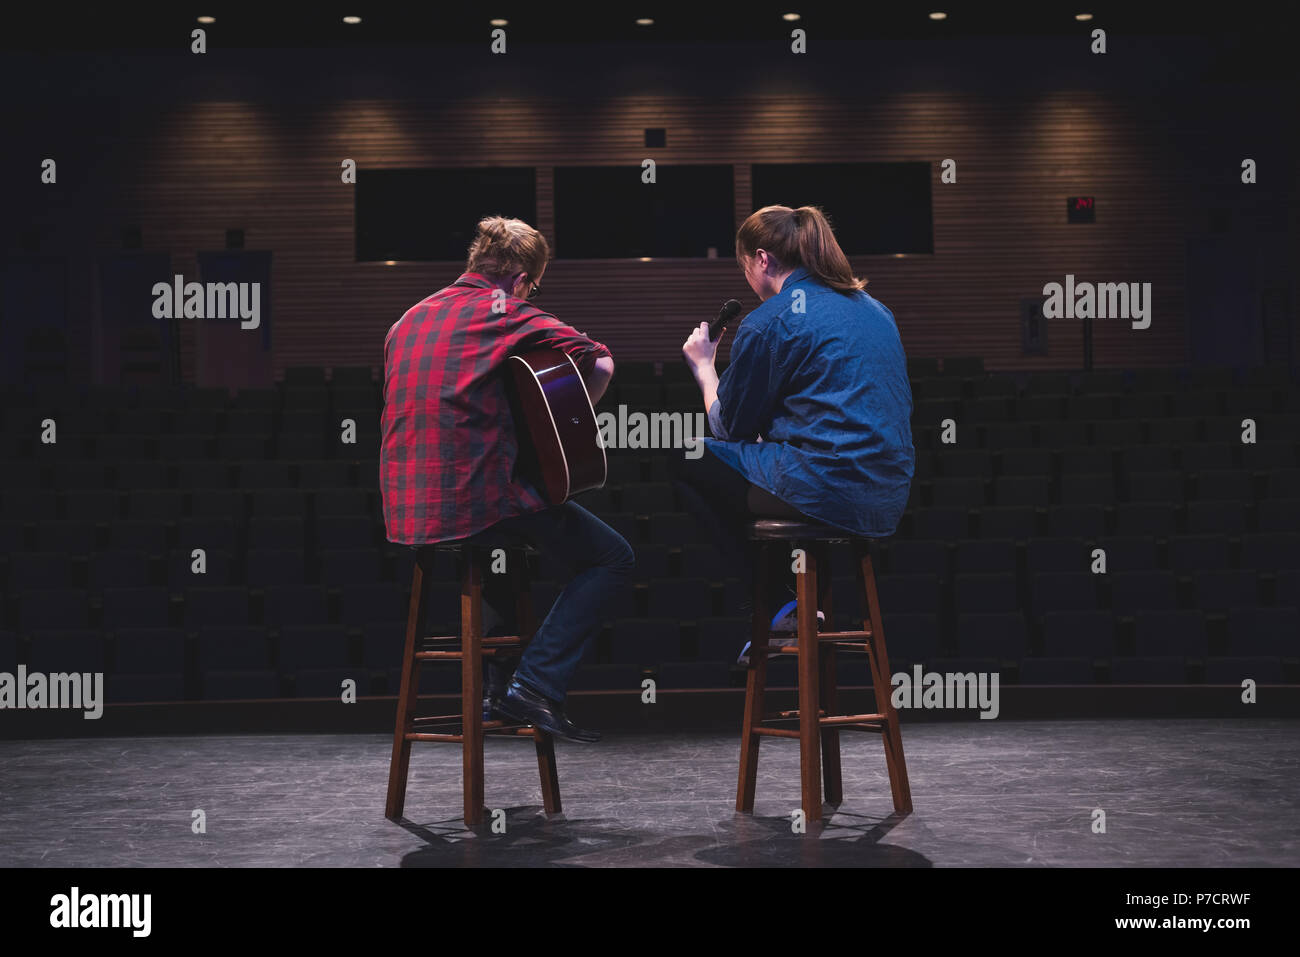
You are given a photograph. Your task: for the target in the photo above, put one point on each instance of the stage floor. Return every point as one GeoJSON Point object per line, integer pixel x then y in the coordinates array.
{"type": "Point", "coordinates": [1189, 793]}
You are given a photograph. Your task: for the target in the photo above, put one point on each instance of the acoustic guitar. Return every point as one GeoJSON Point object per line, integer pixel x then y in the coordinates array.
{"type": "Point", "coordinates": [560, 449]}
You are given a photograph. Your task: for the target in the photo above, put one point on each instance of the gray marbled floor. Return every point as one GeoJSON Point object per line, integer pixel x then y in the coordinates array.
{"type": "Point", "coordinates": [1196, 793]}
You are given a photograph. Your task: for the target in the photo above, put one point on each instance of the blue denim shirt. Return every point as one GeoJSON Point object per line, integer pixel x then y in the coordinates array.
{"type": "Point", "coordinates": [823, 379]}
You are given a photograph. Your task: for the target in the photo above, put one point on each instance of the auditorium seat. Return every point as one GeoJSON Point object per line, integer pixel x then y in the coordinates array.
{"type": "Point", "coordinates": [137, 688]}
{"type": "Point", "coordinates": [343, 566]}
{"type": "Point", "coordinates": [1076, 521]}
{"type": "Point", "coordinates": [1164, 670]}
{"type": "Point", "coordinates": [1132, 592]}
{"type": "Point", "coordinates": [1220, 590]}
{"type": "Point", "coordinates": [1233, 670]}
{"type": "Point", "coordinates": [147, 606]}
{"type": "Point", "coordinates": [1224, 518]}
{"type": "Point", "coordinates": [66, 650]}
{"type": "Point", "coordinates": [1163, 487]}
{"type": "Point", "coordinates": [942, 524]}
{"type": "Point", "coordinates": [617, 676]}
{"type": "Point", "coordinates": [1018, 522]}
{"type": "Point", "coordinates": [645, 641]}
{"type": "Point", "coordinates": [56, 608]}
{"type": "Point", "coordinates": [1146, 518]}
{"type": "Point", "coordinates": [1129, 553]}
{"type": "Point", "coordinates": [903, 557]}
{"type": "Point", "coordinates": [237, 685]}
{"type": "Point", "coordinates": [76, 538]}
{"type": "Point", "coordinates": [328, 682]}
{"type": "Point", "coordinates": [1022, 490]}
{"type": "Point", "coordinates": [289, 605]}
{"type": "Point", "coordinates": [1171, 633]}
{"type": "Point", "coordinates": [982, 593]}
{"type": "Point", "coordinates": [220, 567]}
{"type": "Point", "coordinates": [912, 637]}
{"type": "Point", "coordinates": [1193, 553]}
{"type": "Point", "coordinates": [209, 606]}
{"type": "Point", "coordinates": [261, 474]}
{"type": "Point", "coordinates": [143, 650]}
{"type": "Point", "coordinates": [1070, 634]}
{"type": "Point", "coordinates": [1001, 635]}
{"type": "Point", "coordinates": [1062, 591]}
{"type": "Point", "coordinates": [1279, 515]}
{"type": "Point", "coordinates": [1056, 671]}
{"type": "Point", "coordinates": [149, 537]}
{"type": "Point", "coordinates": [906, 592]}
{"type": "Point", "coordinates": [997, 556]}
{"type": "Point", "coordinates": [692, 674]}
{"type": "Point", "coordinates": [1264, 631]}
{"type": "Point", "coordinates": [268, 566]}
{"type": "Point", "coordinates": [312, 646]}
{"type": "Point", "coordinates": [155, 504]}
{"type": "Point", "coordinates": [1057, 555]}
{"type": "Point", "coordinates": [1271, 551]}
{"type": "Point", "coordinates": [687, 599]}
{"type": "Point", "coordinates": [209, 534]}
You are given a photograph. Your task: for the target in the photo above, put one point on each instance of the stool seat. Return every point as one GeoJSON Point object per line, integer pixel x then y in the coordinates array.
{"type": "Point", "coordinates": [768, 529]}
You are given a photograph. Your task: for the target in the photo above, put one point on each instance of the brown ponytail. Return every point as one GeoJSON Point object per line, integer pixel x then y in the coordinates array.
{"type": "Point", "coordinates": [503, 247]}
{"type": "Point", "coordinates": [799, 237]}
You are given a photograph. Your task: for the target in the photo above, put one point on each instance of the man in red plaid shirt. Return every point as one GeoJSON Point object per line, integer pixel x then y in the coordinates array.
{"type": "Point", "coordinates": [447, 462]}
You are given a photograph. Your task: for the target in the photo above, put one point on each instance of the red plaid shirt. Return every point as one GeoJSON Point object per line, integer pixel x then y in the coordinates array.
{"type": "Point", "coordinates": [449, 447]}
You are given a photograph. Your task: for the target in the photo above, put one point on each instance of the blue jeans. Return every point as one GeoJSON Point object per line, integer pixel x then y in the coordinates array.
{"type": "Point", "coordinates": [601, 562]}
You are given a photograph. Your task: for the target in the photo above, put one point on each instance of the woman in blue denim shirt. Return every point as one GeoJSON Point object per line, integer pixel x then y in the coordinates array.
{"type": "Point", "coordinates": [812, 415]}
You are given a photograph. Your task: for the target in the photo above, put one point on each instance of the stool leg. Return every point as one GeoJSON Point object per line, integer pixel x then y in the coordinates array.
{"type": "Point", "coordinates": [809, 698]}
{"type": "Point", "coordinates": [755, 685]}
{"type": "Point", "coordinates": [471, 684]}
{"type": "Point", "coordinates": [526, 622]}
{"type": "Point", "coordinates": [831, 776]}
{"type": "Point", "coordinates": [880, 678]}
{"type": "Point", "coordinates": [406, 695]}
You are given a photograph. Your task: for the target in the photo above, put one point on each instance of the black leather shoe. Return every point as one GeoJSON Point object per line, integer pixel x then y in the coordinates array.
{"type": "Point", "coordinates": [496, 677]}
{"type": "Point", "coordinates": [526, 706]}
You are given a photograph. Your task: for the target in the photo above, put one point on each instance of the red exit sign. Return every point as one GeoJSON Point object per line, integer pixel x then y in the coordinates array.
{"type": "Point", "coordinates": [1081, 209]}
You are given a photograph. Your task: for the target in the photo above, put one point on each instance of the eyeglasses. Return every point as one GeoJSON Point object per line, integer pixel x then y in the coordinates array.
{"type": "Point", "coordinates": [533, 289]}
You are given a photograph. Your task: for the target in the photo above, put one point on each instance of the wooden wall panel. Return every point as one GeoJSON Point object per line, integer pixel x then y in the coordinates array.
{"type": "Point", "coordinates": [999, 231]}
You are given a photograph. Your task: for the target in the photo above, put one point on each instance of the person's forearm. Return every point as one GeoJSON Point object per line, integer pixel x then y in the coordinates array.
{"type": "Point", "coordinates": [707, 378]}
{"type": "Point", "coordinates": [598, 379]}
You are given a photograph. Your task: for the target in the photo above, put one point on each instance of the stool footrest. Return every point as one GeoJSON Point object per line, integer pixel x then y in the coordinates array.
{"type": "Point", "coordinates": [496, 642]}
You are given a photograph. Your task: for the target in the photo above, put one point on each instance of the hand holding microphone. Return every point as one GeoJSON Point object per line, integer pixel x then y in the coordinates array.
{"type": "Point", "coordinates": [702, 344]}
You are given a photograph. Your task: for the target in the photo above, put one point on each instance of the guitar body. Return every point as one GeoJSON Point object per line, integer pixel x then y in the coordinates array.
{"type": "Point", "coordinates": [565, 455]}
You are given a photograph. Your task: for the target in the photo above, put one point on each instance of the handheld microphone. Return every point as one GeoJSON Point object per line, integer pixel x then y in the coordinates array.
{"type": "Point", "coordinates": [730, 309]}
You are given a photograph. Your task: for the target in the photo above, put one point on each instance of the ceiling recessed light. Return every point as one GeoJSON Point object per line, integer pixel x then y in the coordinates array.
{"type": "Point", "coordinates": [390, 262]}
{"type": "Point", "coordinates": [206, 19]}
{"type": "Point", "coordinates": [644, 22]}
{"type": "Point", "coordinates": [498, 22]}
{"type": "Point", "coordinates": [790, 16]}
{"type": "Point", "coordinates": [1083, 16]}
{"type": "Point", "coordinates": [938, 15]}
{"type": "Point", "coordinates": [351, 19]}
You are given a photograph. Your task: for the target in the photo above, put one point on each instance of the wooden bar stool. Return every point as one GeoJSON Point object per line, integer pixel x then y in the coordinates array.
{"type": "Point", "coordinates": [819, 720]}
{"type": "Point", "coordinates": [469, 648]}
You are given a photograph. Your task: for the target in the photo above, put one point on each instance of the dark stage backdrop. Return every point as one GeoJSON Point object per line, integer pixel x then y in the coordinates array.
{"type": "Point", "coordinates": [186, 147]}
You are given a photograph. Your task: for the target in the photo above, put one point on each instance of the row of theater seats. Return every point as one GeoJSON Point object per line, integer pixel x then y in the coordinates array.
{"type": "Point", "coordinates": [991, 566]}
{"type": "Point", "coordinates": [250, 661]}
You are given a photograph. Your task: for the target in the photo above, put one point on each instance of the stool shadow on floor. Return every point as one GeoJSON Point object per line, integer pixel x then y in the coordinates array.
{"type": "Point", "coordinates": [845, 840]}
{"type": "Point", "coordinates": [532, 839]}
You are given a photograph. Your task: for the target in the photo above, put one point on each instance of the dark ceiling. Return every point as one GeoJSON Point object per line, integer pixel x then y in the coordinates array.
{"type": "Point", "coordinates": [56, 26]}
